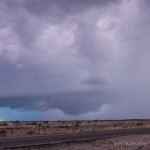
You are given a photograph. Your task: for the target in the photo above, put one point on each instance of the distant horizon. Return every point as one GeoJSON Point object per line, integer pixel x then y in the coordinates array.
{"type": "Point", "coordinates": [94, 120]}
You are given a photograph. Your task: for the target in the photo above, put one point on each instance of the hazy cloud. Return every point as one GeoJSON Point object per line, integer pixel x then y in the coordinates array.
{"type": "Point", "coordinates": [74, 58]}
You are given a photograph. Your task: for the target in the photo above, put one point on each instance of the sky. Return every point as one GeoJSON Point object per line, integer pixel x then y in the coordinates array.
{"type": "Point", "coordinates": [74, 59]}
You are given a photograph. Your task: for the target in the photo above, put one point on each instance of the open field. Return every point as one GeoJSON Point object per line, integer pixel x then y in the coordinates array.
{"type": "Point", "coordinates": [75, 135]}
{"type": "Point", "coordinates": [31, 128]}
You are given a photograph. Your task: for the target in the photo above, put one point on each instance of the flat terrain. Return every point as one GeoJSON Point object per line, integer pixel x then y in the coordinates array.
{"type": "Point", "coordinates": [33, 135]}
{"type": "Point", "coordinates": [131, 142]}
{"type": "Point", "coordinates": [37, 142]}
{"type": "Point", "coordinates": [32, 128]}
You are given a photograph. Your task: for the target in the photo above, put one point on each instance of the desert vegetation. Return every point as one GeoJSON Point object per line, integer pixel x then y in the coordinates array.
{"type": "Point", "coordinates": [30, 128]}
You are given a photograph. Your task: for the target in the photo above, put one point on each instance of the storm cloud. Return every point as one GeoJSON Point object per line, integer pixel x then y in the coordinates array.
{"type": "Point", "coordinates": [75, 59]}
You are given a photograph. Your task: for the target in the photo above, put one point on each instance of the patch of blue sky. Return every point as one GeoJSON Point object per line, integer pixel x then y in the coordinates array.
{"type": "Point", "coordinates": [7, 114]}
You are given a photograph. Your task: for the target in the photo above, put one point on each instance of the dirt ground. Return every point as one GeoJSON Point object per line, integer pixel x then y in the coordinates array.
{"type": "Point", "coordinates": [30, 128]}
{"type": "Point", "coordinates": [134, 142]}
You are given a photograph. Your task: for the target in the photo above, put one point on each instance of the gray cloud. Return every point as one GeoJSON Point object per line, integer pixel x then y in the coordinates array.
{"type": "Point", "coordinates": [74, 58]}
{"type": "Point", "coordinates": [70, 103]}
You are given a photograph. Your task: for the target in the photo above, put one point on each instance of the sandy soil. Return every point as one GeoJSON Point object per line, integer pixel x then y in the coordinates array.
{"type": "Point", "coordinates": [134, 142]}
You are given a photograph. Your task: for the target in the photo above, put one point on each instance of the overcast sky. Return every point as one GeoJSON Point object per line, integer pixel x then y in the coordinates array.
{"type": "Point", "coordinates": [74, 59]}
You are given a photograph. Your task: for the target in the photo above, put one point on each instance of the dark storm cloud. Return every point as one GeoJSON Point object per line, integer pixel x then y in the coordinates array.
{"type": "Point", "coordinates": [70, 103]}
{"type": "Point", "coordinates": [90, 57]}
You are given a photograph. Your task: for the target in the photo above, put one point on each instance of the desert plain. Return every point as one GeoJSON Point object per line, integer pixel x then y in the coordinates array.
{"type": "Point", "coordinates": [43, 128]}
